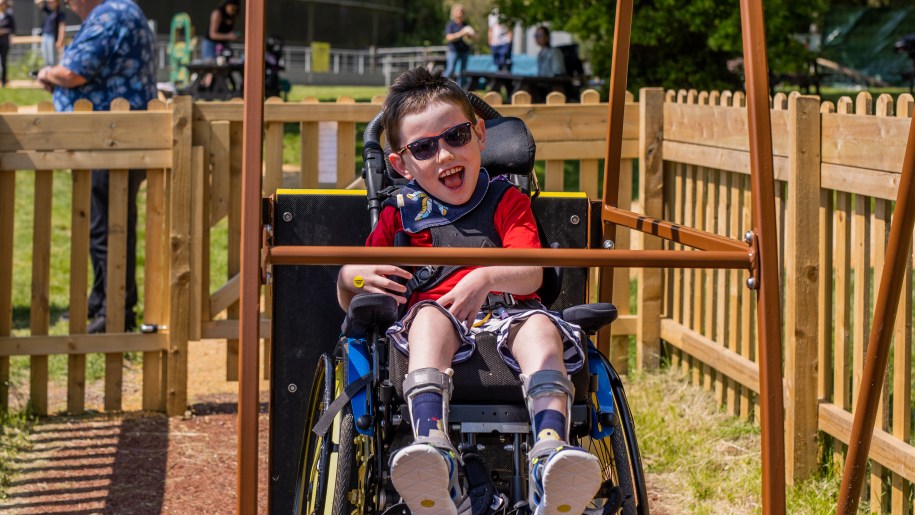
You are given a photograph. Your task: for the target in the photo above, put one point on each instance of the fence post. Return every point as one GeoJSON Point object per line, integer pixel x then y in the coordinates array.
{"type": "Point", "coordinates": [651, 194]}
{"type": "Point", "coordinates": [801, 287]}
{"type": "Point", "coordinates": [180, 247]}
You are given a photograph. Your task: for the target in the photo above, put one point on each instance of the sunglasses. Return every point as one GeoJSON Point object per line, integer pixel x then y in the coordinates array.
{"type": "Point", "coordinates": [425, 148]}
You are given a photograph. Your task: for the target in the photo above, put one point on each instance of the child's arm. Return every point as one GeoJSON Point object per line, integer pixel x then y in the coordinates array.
{"type": "Point", "coordinates": [355, 279]}
{"type": "Point", "coordinates": [465, 300]}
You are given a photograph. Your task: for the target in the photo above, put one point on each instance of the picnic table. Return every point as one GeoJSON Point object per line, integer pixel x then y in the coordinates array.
{"type": "Point", "coordinates": [227, 80]}
{"type": "Point", "coordinates": [538, 87]}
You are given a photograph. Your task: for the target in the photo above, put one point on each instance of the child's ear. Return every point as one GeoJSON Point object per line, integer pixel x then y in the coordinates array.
{"type": "Point", "coordinates": [398, 163]}
{"type": "Point", "coordinates": [480, 129]}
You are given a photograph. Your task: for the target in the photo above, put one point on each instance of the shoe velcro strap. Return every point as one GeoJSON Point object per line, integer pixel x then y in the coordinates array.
{"type": "Point", "coordinates": [427, 380]}
{"type": "Point", "coordinates": [547, 382]}
{"type": "Point", "coordinates": [545, 448]}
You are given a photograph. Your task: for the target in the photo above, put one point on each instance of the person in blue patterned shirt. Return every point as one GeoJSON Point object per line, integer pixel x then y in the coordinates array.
{"type": "Point", "coordinates": [112, 56]}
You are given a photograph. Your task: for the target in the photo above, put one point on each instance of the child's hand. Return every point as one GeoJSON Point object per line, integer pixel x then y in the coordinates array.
{"type": "Point", "coordinates": [468, 295]}
{"type": "Point", "coordinates": [374, 279]}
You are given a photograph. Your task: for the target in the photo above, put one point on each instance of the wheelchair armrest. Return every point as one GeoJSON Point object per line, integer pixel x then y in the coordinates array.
{"type": "Point", "coordinates": [590, 317]}
{"type": "Point", "coordinates": [368, 311]}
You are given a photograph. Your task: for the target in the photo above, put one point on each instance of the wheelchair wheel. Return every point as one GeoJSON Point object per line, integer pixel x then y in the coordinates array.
{"type": "Point", "coordinates": [314, 465]}
{"type": "Point", "coordinates": [623, 490]}
{"type": "Point", "coordinates": [340, 455]}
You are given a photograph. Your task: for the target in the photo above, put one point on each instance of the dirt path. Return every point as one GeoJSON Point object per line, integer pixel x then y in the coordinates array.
{"type": "Point", "coordinates": [140, 463]}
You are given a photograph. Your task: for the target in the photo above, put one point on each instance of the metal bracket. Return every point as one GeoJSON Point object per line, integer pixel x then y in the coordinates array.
{"type": "Point", "coordinates": [752, 240]}
{"type": "Point", "coordinates": [267, 206]}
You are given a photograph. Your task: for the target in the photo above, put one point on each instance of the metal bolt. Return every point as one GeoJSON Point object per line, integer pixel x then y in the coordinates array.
{"type": "Point", "coordinates": [575, 220]}
{"type": "Point", "coordinates": [292, 388]}
{"type": "Point", "coordinates": [609, 245]}
{"type": "Point", "coordinates": [287, 216]}
{"type": "Point", "coordinates": [751, 283]}
{"type": "Point", "coordinates": [748, 237]}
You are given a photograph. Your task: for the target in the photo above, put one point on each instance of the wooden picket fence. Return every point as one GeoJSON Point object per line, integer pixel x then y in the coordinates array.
{"type": "Point", "coordinates": [41, 141]}
{"type": "Point", "coordinates": [837, 169]}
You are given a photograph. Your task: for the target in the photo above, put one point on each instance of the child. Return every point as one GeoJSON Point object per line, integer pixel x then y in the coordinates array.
{"type": "Point", "coordinates": [450, 201]}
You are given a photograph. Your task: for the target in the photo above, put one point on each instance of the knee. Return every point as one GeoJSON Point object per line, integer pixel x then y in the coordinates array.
{"type": "Point", "coordinates": [541, 331]}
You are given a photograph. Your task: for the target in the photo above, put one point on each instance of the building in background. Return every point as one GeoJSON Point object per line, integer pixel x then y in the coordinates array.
{"type": "Point", "coordinates": [355, 24]}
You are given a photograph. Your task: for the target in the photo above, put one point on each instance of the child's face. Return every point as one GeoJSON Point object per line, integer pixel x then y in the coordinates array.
{"type": "Point", "coordinates": [451, 173]}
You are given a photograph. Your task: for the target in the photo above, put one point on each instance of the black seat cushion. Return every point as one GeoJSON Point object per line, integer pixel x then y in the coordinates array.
{"type": "Point", "coordinates": [590, 317]}
{"type": "Point", "coordinates": [367, 311]}
{"type": "Point", "coordinates": [484, 378]}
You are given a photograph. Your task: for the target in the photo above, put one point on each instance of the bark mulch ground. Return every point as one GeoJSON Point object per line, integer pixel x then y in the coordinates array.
{"type": "Point", "coordinates": [140, 463]}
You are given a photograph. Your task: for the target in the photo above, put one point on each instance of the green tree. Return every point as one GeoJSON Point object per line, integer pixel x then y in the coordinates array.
{"type": "Point", "coordinates": [675, 43]}
{"type": "Point", "coordinates": [423, 24]}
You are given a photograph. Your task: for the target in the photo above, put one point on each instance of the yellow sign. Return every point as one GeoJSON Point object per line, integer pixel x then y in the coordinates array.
{"type": "Point", "coordinates": [320, 57]}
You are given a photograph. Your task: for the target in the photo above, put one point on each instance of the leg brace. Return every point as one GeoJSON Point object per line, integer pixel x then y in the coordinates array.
{"type": "Point", "coordinates": [428, 380]}
{"type": "Point", "coordinates": [548, 383]}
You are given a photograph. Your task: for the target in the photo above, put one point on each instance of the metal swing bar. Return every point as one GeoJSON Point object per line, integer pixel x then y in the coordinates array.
{"type": "Point", "coordinates": [768, 314]}
{"type": "Point", "coordinates": [718, 252]}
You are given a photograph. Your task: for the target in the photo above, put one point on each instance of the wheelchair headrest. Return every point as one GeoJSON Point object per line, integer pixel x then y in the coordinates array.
{"type": "Point", "coordinates": [510, 148]}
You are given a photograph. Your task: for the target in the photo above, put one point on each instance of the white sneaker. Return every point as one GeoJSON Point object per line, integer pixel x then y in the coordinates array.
{"type": "Point", "coordinates": [425, 475]}
{"type": "Point", "coordinates": [563, 479]}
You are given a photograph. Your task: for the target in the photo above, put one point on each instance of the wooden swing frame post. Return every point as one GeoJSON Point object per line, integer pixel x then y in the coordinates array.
{"type": "Point", "coordinates": [249, 296]}
{"type": "Point", "coordinates": [759, 256]}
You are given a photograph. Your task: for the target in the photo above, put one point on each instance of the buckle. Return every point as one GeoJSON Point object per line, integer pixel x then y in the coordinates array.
{"type": "Point", "coordinates": [497, 300]}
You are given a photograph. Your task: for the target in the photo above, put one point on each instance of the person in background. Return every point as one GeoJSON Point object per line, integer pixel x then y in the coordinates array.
{"type": "Point", "coordinates": [52, 30]}
{"type": "Point", "coordinates": [550, 62]}
{"type": "Point", "coordinates": [458, 35]}
{"type": "Point", "coordinates": [7, 29]}
{"type": "Point", "coordinates": [221, 29]}
{"type": "Point", "coordinates": [500, 43]}
{"type": "Point", "coordinates": [112, 56]}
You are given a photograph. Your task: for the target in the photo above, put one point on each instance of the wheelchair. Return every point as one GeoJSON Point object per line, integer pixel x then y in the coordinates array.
{"type": "Point", "coordinates": [357, 414]}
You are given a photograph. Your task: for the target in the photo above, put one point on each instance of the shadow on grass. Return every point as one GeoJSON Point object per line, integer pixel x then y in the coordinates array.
{"type": "Point", "coordinates": [22, 315]}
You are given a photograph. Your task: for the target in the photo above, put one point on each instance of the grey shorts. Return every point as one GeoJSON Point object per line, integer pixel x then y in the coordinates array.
{"type": "Point", "coordinates": [500, 322]}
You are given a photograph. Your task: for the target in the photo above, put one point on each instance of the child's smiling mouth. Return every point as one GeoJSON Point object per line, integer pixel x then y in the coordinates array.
{"type": "Point", "coordinates": [453, 178]}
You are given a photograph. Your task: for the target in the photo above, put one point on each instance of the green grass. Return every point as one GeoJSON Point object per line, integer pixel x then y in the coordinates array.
{"type": "Point", "coordinates": [332, 93]}
{"type": "Point", "coordinates": [701, 461]}
{"type": "Point", "coordinates": [14, 438]}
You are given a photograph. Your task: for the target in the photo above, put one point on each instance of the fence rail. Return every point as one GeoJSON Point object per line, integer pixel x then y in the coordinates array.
{"type": "Point", "coordinates": [837, 169]}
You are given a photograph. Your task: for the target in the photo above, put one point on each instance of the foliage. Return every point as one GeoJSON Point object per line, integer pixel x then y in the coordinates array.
{"type": "Point", "coordinates": [14, 438]}
{"type": "Point", "coordinates": [423, 24]}
{"type": "Point", "coordinates": [675, 44]}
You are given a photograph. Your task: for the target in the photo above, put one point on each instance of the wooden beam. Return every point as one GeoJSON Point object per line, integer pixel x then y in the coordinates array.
{"type": "Point", "coordinates": [224, 297]}
{"type": "Point", "coordinates": [142, 130]}
{"type": "Point", "coordinates": [228, 329]}
{"type": "Point", "coordinates": [720, 158]}
{"type": "Point", "coordinates": [733, 365]}
{"type": "Point", "coordinates": [82, 344]}
{"type": "Point", "coordinates": [892, 453]}
{"type": "Point", "coordinates": [85, 159]}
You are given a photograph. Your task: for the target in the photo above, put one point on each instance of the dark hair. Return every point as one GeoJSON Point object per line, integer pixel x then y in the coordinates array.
{"type": "Point", "coordinates": [226, 3]}
{"type": "Point", "coordinates": [414, 91]}
{"type": "Point", "coordinates": [545, 29]}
